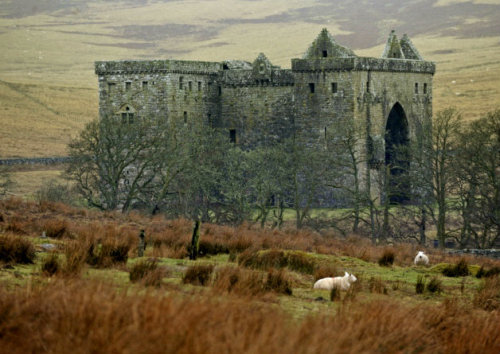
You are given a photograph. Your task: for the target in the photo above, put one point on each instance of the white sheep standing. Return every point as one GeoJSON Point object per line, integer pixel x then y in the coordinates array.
{"type": "Point", "coordinates": [421, 258]}
{"type": "Point", "coordinates": [342, 283]}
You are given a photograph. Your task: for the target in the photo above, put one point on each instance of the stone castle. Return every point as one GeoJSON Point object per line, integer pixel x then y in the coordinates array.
{"type": "Point", "coordinates": [259, 103]}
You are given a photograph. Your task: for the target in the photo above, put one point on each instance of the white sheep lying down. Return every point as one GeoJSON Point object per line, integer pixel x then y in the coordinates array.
{"type": "Point", "coordinates": [421, 258]}
{"type": "Point", "coordinates": [342, 283]}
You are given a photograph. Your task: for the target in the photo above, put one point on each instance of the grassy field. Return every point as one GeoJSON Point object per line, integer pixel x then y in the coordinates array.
{"type": "Point", "coordinates": [250, 291]}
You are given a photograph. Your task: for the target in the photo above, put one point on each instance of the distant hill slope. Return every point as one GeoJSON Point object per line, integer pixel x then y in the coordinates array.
{"type": "Point", "coordinates": [47, 44]}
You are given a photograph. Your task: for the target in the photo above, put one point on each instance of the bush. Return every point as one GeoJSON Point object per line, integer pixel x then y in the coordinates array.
{"type": "Point", "coordinates": [147, 272]}
{"type": "Point", "coordinates": [198, 274]}
{"type": "Point", "coordinates": [387, 258]}
{"type": "Point", "coordinates": [435, 285]}
{"type": "Point", "coordinates": [420, 285]}
{"type": "Point", "coordinates": [460, 269]}
{"type": "Point", "coordinates": [15, 249]}
{"type": "Point", "coordinates": [55, 192]}
{"type": "Point", "coordinates": [50, 265]}
{"type": "Point", "coordinates": [278, 281]}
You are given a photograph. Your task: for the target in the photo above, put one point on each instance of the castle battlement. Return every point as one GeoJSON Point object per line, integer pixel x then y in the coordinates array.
{"type": "Point", "coordinates": [364, 63]}
{"type": "Point", "coordinates": [157, 66]}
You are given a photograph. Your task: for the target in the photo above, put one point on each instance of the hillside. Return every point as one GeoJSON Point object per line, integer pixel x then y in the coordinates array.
{"type": "Point", "coordinates": [48, 89]}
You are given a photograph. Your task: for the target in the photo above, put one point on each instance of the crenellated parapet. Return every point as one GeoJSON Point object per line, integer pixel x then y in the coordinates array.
{"type": "Point", "coordinates": [157, 66]}
{"type": "Point", "coordinates": [275, 77]}
{"type": "Point", "coordinates": [363, 63]}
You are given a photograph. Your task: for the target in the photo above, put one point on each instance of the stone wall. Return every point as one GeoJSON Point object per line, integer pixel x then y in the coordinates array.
{"type": "Point", "coordinates": [493, 253]}
{"type": "Point", "coordinates": [35, 161]}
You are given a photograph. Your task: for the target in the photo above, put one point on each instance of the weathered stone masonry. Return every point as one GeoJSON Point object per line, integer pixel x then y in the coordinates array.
{"type": "Point", "coordinates": [258, 102]}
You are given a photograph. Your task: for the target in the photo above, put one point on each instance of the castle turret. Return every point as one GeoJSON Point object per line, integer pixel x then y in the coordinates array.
{"type": "Point", "coordinates": [400, 49]}
{"type": "Point", "coordinates": [325, 46]}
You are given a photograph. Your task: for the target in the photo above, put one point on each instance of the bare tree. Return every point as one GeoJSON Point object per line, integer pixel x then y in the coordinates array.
{"type": "Point", "coordinates": [477, 182]}
{"type": "Point", "coordinates": [445, 131]}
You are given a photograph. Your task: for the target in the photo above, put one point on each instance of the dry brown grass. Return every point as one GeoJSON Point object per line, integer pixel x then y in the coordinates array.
{"type": "Point", "coordinates": [488, 296]}
{"type": "Point", "coordinates": [83, 317]}
{"type": "Point", "coordinates": [16, 249]}
{"type": "Point", "coordinates": [111, 231]}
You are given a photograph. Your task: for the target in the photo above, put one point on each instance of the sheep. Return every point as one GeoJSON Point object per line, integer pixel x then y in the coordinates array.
{"type": "Point", "coordinates": [342, 283]}
{"type": "Point", "coordinates": [421, 258]}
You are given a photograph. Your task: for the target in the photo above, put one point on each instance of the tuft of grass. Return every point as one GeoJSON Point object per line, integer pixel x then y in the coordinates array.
{"type": "Point", "coordinates": [460, 269]}
{"type": "Point", "coordinates": [76, 256]}
{"type": "Point", "coordinates": [277, 259]}
{"type": "Point", "coordinates": [16, 249]}
{"type": "Point", "coordinates": [55, 228]}
{"type": "Point", "coordinates": [300, 262]}
{"type": "Point", "coordinates": [51, 265]}
{"type": "Point", "coordinates": [239, 281]}
{"type": "Point", "coordinates": [324, 271]}
{"type": "Point", "coordinates": [209, 247]}
{"type": "Point", "coordinates": [482, 273]}
{"type": "Point", "coordinates": [488, 295]}
{"type": "Point", "coordinates": [147, 272]}
{"type": "Point", "coordinates": [335, 294]}
{"type": "Point", "coordinates": [198, 274]}
{"type": "Point", "coordinates": [263, 260]}
{"type": "Point", "coordinates": [387, 258]}
{"type": "Point", "coordinates": [435, 285]}
{"type": "Point", "coordinates": [420, 285]}
{"type": "Point", "coordinates": [278, 281]}
{"type": "Point", "coordinates": [376, 285]}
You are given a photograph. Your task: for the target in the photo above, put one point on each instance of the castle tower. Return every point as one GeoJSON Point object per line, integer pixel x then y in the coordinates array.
{"type": "Point", "coordinates": [388, 99]}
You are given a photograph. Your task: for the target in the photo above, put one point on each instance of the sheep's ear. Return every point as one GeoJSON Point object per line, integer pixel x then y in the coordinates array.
{"type": "Point", "coordinates": [346, 274]}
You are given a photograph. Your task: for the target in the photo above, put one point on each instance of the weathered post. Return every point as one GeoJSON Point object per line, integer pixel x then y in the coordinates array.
{"type": "Point", "coordinates": [195, 241]}
{"type": "Point", "coordinates": [142, 245]}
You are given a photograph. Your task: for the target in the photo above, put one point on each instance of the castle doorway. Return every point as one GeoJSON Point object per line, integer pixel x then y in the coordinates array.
{"type": "Point", "coordinates": [397, 156]}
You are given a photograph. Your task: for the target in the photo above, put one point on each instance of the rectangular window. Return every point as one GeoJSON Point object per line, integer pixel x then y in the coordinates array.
{"type": "Point", "coordinates": [334, 87]}
{"type": "Point", "coordinates": [190, 85]}
{"type": "Point", "coordinates": [220, 90]}
{"type": "Point", "coordinates": [181, 83]}
{"type": "Point", "coordinates": [325, 54]}
{"type": "Point", "coordinates": [199, 85]}
{"type": "Point", "coordinates": [232, 135]}
{"type": "Point", "coordinates": [209, 119]}
{"type": "Point", "coordinates": [368, 86]}
{"type": "Point", "coordinates": [111, 87]}
{"type": "Point", "coordinates": [425, 88]}
{"type": "Point", "coordinates": [127, 118]}
{"type": "Point", "coordinates": [416, 87]}
{"type": "Point", "coordinates": [128, 86]}
{"type": "Point", "coordinates": [185, 117]}
{"type": "Point", "coordinates": [209, 86]}
{"type": "Point", "coordinates": [144, 85]}
{"type": "Point", "coordinates": [311, 87]}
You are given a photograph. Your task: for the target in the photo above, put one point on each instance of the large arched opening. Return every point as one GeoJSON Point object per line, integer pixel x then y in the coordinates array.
{"type": "Point", "coordinates": [397, 155]}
